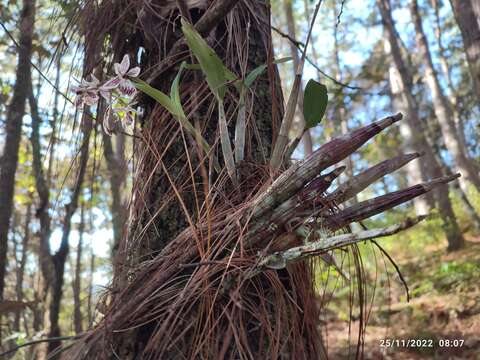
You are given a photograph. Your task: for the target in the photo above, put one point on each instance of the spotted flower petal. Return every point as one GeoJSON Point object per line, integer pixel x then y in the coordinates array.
{"type": "Point", "coordinates": [111, 83]}
{"type": "Point", "coordinates": [126, 87]}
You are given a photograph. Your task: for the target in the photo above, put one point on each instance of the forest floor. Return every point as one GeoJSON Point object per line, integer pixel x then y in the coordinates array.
{"type": "Point", "coordinates": [444, 304]}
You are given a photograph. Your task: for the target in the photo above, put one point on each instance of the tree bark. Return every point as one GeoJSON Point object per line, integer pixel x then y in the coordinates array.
{"type": "Point", "coordinates": [442, 108]}
{"type": "Point", "coordinates": [117, 168]}
{"type": "Point", "coordinates": [60, 257]}
{"type": "Point", "coordinates": [340, 111]}
{"type": "Point", "coordinates": [168, 194]}
{"type": "Point", "coordinates": [21, 264]}
{"type": "Point", "coordinates": [416, 129]}
{"type": "Point", "coordinates": [90, 307]}
{"type": "Point", "coordinates": [13, 130]}
{"type": "Point", "coordinates": [77, 282]}
{"type": "Point", "coordinates": [465, 15]}
{"type": "Point", "coordinates": [447, 75]}
{"type": "Point", "coordinates": [45, 276]}
{"type": "Point", "coordinates": [416, 171]}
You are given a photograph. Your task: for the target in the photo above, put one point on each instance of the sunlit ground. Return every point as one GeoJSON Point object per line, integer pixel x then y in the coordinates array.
{"type": "Point", "coordinates": [444, 305]}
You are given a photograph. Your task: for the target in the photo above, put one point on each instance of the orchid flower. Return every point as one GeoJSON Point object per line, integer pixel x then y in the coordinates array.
{"type": "Point", "coordinates": [123, 114]}
{"type": "Point", "coordinates": [86, 92]}
{"type": "Point", "coordinates": [118, 92]}
{"type": "Point", "coordinates": [123, 71]}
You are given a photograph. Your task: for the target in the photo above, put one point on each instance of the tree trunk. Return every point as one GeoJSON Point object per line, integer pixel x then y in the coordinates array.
{"type": "Point", "coordinates": [415, 170]}
{"type": "Point", "coordinates": [307, 136]}
{"type": "Point", "coordinates": [13, 130]}
{"type": "Point", "coordinates": [45, 277]}
{"type": "Point", "coordinates": [168, 194]}
{"type": "Point", "coordinates": [416, 129]}
{"type": "Point", "coordinates": [60, 257]}
{"type": "Point", "coordinates": [464, 11]}
{"type": "Point", "coordinates": [447, 75]}
{"type": "Point", "coordinates": [443, 111]}
{"type": "Point", "coordinates": [340, 111]}
{"type": "Point", "coordinates": [21, 264]}
{"type": "Point", "coordinates": [90, 307]}
{"type": "Point", "coordinates": [77, 282]}
{"type": "Point", "coordinates": [117, 168]}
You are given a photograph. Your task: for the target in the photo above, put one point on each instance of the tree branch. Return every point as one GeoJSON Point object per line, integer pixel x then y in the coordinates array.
{"type": "Point", "coordinates": [280, 260]}
{"type": "Point", "coordinates": [34, 342]}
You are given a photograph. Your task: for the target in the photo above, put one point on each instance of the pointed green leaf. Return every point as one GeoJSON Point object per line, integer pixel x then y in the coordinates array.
{"type": "Point", "coordinates": [314, 103]}
{"type": "Point", "coordinates": [173, 105]}
{"type": "Point", "coordinates": [215, 71]}
{"type": "Point", "coordinates": [155, 94]}
{"type": "Point", "coordinates": [175, 91]}
{"type": "Point", "coordinates": [255, 73]}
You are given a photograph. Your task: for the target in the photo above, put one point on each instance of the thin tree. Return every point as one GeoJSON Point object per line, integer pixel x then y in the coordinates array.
{"type": "Point", "coordinates": [117, 169]}
{"type": "Point", "coordinates": [442, 107]}
{"type": "Point", "coordinates": [77, 279]}
{"type": "Point", "coordinates": [307, 136]}
{"type": "Point", "coordinates": [340, 110]}
{"type": "Point", "coordinates": [22, 262]}
{"type": "Point", "coordinates": [444, 63]}
{"type": "Point", "coordinates": [416, 127]}
{"type": "Point", "coordinates": [416, 170]}
{"type": "Point", "coordinates": [52, 265]}
{"type": "Point", "coordinates": [466, 17]}
{"type": "Point", "coordinates": [13, 130]}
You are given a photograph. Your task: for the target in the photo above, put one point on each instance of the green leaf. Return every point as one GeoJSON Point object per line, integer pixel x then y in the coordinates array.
{"type": "Point", "coordinates": [155, 94]}
{"type": "Point", "coordinates": [215, 71]}
{"type": "Point", "coordinates": [255, 73]}
{"type": "Point", "coordinates": [175, 91]}
{"type": "Point", "coordinates": [314, 103]}
{"type": "Point", "coordinates": [173, 105]}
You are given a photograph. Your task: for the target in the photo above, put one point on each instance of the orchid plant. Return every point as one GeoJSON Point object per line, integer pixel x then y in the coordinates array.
{"type": "Point", "coordinates": [120, 90]}
{"type": "Point", "coordinates": [119, 93]}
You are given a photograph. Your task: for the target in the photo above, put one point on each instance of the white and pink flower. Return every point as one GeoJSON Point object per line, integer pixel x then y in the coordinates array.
{"type": "Point", "coordinates": [117, 91]}
{"type": "Point", "coordinates": [123, 72]}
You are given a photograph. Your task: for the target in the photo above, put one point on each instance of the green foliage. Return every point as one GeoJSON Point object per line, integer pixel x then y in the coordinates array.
{"type": "Point", "coordinates": [157, 95]}
{"type": "Point", "coordinates": [314, 103]}
{"type": "Point", "coordinates": [173, 104]}
{"type": "Point", "coordinates": [212, 66]}
{"type": "Point", "coordinates": [255, 73]}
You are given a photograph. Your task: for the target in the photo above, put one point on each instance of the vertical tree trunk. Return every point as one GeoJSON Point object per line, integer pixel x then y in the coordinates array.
{"type": "Point", "coordinates": [443, 111]}
{"type": "Point", "coordinates": [60, 257]}
{"type": "Point", "coordinates": [45, 276]}
{"type": "Point", "coordinates": [340, 116]}
{"type": "Point", "coordinates": [90, 307]}
{"type": "Point", "coordinates": [13, 130]}
{"type": "Point", "coordinates": [447, 75]}
{"type": "Point", "coordinates": [415, 170]}
{"type": "Point", "coordinates": [467, 21]}
{"type": "Point", "coordinates": [117, 168]}
{"type": "Point", "coordinates": [77, 282]}
{"type": "Point", "coordinates": [416, 129]}
{"type": "Point", "coordinates": [53, 265]}
{"type": "Point", "coordinates": [307, 137]}
{"type": "Point", "coordinates": [21, 264]}
{"type": "Point", "coordinates": [168, 194]}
